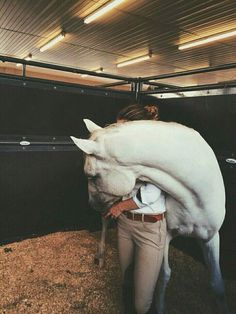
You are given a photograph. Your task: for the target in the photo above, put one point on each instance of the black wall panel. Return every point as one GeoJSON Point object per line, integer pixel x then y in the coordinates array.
{"type": "Point", "coordinates": [35, 111]}
{"type": "Point", "coordinates": [40, 192]}
{"type": "Point", "coordinates": [47, 191]}
{"type": "Point", "coordinates": [214, 117]}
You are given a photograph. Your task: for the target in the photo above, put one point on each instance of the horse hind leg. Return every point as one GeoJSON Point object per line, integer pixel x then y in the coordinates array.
{"type": "Point", "coordinates": [211, 252]}
{"type": "Point", "coordinates": [164, 278]}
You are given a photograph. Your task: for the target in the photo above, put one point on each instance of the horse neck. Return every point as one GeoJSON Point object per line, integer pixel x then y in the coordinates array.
{"type": "Point", "coordinates": [169, 160]}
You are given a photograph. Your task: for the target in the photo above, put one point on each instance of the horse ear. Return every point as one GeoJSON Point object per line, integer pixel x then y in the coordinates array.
{"type": "Point", "coordinates": [87, 146]}
{"type": "Point", "coordinates": [91, 126]}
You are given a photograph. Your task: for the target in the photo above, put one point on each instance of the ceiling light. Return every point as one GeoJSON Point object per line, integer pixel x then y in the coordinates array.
{"type": "Point", "coordinates": [52, 42]}
{"type": "Point", "coordinates": [135, 60]}
{"type": "Point", "coordinates": [207, 40]}
{"type": "Point", "coordinates": [28, 58]}
{"type": "Point", "coordinates": [100, 70]}
{"type": "Point", "coordinates": [104, 9]}
{"type": "Point", "coordinates": [83, 75]}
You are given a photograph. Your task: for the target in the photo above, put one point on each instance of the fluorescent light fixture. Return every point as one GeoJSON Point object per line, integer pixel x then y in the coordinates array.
{"type": "Point", "coordinates": [100, 70]}
{"type": "Point", "coordinates": [83, 75]}
{"type": "Point", "coordinates": [27, 58]}
{"type": "Point", "coordinates": [207, 40]}
{"type": "Point", "coordinates": [135, 60]}
{"type": "Point", "coordinates": [104, 9]}
{"type": "Point", "coordinates": [53, 41]}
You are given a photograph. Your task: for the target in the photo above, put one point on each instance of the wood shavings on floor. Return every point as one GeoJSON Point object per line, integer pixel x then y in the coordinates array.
{"type": "Point", "coordinates": [56, 274]}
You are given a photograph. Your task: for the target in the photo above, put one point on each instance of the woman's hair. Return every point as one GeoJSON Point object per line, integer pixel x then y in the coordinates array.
{"type": "Point", "coordinates": [138, 112]}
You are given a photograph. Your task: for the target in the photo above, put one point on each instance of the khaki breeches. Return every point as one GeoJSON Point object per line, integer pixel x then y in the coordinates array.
{"type": "Point", "coordinates": [141, 244]}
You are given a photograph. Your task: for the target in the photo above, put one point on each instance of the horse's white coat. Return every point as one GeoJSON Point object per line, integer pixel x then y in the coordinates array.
{"type": "Point", "coordinates": [170, 155]}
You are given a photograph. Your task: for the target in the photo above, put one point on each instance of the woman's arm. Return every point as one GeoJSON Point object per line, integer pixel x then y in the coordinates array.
{"type": "Point", "coordinates": [147, 195]}
{"type": "Point", "coordinates": [121, 207]}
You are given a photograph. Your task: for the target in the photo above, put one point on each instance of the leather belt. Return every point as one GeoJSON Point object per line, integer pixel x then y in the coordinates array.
{"type": "Point", "coordinates": [144, 217]}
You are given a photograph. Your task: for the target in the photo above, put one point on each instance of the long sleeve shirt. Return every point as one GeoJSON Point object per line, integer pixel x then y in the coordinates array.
{"type": "Point", "coordinates": [149, 199]}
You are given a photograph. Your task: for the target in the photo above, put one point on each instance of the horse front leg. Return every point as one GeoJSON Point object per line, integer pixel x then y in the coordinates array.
{"type": "Point", "coordinates": [100, 256]}
{"type": "Point", "coordinates": [164, 277]}
{"type": "Point", "coordinates": [211, 252]}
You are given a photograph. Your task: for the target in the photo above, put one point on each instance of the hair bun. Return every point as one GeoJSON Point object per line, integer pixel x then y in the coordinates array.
{"type": "Point", "coordinates": [152, 111]}
{"type": "Point", "coordinates": [138, 112]}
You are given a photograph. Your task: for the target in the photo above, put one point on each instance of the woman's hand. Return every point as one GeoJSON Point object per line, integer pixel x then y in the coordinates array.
{"type": "Point", "coordinates": [114, 212]}
{"type": "Point", "coordinates": [117, 209]}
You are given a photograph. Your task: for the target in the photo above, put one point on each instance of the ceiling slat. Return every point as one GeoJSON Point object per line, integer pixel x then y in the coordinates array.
{"type": "Point", "coordinates": [131, 29]}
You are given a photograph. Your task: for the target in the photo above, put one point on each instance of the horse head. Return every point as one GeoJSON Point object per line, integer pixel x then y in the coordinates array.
{"type": "Point", "coordinates": [108, 181]}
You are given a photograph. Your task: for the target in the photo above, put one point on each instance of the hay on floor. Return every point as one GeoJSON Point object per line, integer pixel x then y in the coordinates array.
{"type": "Point", "coordinates": [56, 274]}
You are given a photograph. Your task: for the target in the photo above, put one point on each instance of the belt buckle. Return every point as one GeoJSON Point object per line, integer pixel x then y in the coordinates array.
{"type": "Point", "coordinates": [143, 216]}
{"type": "Point", "coordinates": [132, 213]}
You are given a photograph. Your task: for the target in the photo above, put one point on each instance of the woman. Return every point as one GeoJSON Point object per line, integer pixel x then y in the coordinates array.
{"type": "Point", "coordinates": [141, 231]}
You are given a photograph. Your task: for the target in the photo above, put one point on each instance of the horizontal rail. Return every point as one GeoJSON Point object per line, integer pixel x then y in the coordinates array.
{"type": "Point", "coordinates": [190, 72]}
{"type": "Point", "coordinates": [101, 89]}
{"type": "Point", "coordinates": [161, 85]}
{"type": "Point", "coordinates": [61, 86]}
{"type": "Point", "coordinates": [36, 143]}
{"type": "Point", "coordinates": [28, 142]}
{"type": "Point", "coordinates": [37, 148]}
{"type": "Point", "coordinates": [113, 84]}
{"type": "Point", "coordinates": [189, 88]}
{"type": "Point", "coordinates": [64, 68]}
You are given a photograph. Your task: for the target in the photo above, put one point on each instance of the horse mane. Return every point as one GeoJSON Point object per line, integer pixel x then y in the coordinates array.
{"type": "Point", "coordinates": [113, 128]}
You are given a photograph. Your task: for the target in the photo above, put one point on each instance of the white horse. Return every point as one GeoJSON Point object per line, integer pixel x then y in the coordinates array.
{"type": "Point", "coordinates": [176, 159]}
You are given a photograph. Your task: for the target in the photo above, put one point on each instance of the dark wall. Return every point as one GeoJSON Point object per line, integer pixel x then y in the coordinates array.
{"type": "Point", "coordinates": [37, 111]}
{"type": "Point", "coordinates": [41, 192]}
{"type": "Point", "coordinates": [46, 191]}
{"type": "Point", "coordinates": [214, 117]}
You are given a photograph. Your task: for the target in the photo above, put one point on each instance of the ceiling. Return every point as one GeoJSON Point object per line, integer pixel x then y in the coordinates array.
{"type": "Point", "coordinates": [134, 28]}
